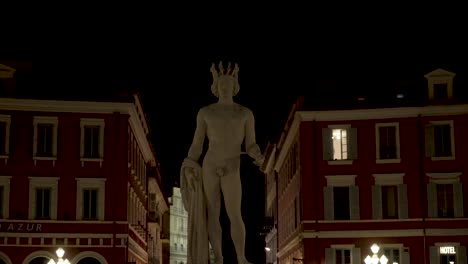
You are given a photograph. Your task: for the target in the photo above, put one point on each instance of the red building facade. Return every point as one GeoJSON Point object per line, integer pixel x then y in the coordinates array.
{"type": "Point", "coordinates": [79, 175]}
{"type": "Point", "coordinates": [392, 176]}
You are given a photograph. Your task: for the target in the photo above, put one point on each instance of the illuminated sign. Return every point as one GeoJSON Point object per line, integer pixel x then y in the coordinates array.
{"type": "Point", "coordinates": [447, 250]}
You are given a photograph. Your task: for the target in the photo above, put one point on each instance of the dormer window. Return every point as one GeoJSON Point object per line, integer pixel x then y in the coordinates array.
{"type": "Point", "coordinates": [440, 85]}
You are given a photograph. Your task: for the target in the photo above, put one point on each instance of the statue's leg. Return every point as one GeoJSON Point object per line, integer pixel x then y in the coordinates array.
{"type": "Point", "coordinates": [211, 186]}
{"type": "Point", "coordinates": [232, 192]}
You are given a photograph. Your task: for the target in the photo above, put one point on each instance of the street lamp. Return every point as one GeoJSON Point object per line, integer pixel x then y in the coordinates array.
{"type": "Point", "coordinates": [375, 258]}
{"type": "Point", "coordinates": [60, 252]}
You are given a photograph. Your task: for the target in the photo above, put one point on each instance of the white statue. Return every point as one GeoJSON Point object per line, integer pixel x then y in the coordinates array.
{"type": "Point", "coordinates": [227, 125]}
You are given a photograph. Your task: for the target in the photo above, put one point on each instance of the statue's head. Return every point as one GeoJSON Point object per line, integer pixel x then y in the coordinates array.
{"type": "Point", "coordinates": [225, 81]}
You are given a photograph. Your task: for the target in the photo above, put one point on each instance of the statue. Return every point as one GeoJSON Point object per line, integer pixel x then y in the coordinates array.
{"type": "Point", "coordinates": [227, 125]}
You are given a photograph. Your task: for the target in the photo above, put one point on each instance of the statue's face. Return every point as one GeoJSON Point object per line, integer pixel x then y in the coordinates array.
{"type": "Point", "coordinates": [226, 87]}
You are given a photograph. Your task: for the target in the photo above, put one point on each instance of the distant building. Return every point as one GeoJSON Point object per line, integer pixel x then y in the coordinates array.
{"type": "Point", "coordinates": [77, 174]}
{"type": "Point", "coordinates": [178, 231]}
{"type": "Point", "coordinates": [394, 173]}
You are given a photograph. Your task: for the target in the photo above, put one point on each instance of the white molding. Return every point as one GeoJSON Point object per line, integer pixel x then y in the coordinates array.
{"type": "Point", "coordinates": [388, 179]}
{"type": "Point", "coordinates": [367, 220]}
{"type": "Point", "coordinates": [340, 162]}
{"type": "Point", "coordinates": [445, 244]}
{"type": "Point", "coordinates": [7, 120]}
{"type": "Point", "coordinates": [5, 258]}
{"type": "Point", "coordinates": [452, 138]}
{"type": "Point", "coordinates": [6, 72]}
{"type": "Point", "coordinates": [43, 182]}
{"type": "Point", "coordinates": [286, 248]}
{"type": "Point", "coordinates": [291, 135]}
{"type": "Point", "coordinates": [52, 120]}
{"type": "Point", "coordinates": [61, 235]}
{"type": "Point", "coordinates": [12, 104]}
{"type": "Point", "coordinates": [440, 76]}
{"type": "Point", "coordinates": [91, 183]}
{"type": "Point", "coordinates": [386, 233]}
{"type": "Point", "coordinates": [38, 254]}
{"type": "Point", "coordinates": [91, 254]}
{"type": "Point", "coordinates": [396, 245]}
{"type": "Point", "coordinates": [63, 221]}
{"type": "Point", "coordinates": [341, 180]}
{"type": "Point", "coordinates": [382, 113]}
{"type": "Point", "coordinates": [5, 182]}
{"type": "Point", "coordinates": [342, 246]}
{"type": "Point", "coordinates": [444, 178]}
{"type": "Point", "coordinates": [377, 141]}
{"type": "Point", "coordinates": [138, 251]}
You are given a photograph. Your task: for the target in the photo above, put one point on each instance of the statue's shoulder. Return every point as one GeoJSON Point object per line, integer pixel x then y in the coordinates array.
{"type": "Point", "coordinates": [243, 109]}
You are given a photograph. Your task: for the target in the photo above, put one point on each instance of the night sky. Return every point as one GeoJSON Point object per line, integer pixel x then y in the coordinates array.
{"type": "Point", "coordinates": [170, 64]}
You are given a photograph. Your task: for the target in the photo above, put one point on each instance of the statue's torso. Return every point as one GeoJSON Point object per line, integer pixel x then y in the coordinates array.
{"type": "Point", "coordinates": [225, 129]}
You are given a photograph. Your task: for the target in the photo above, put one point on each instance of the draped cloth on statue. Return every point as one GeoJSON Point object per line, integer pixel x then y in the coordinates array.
{"type": "Point", "coordinates": [194, 203]}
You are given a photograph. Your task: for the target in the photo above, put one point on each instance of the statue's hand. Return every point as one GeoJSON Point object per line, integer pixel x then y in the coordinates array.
{"type": "Point", "coordinates": [191, 177]}
{"type": "Point", "coordinates": [259, 160]}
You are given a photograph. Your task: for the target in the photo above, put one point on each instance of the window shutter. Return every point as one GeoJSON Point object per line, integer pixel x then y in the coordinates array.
{"type": "Point", "coordinates": [429, 141]}
{"type": "Point", "coordinates": [328, 202]}
{"type": "Point", "coordinates": [458, 199]}
{"type": "Point", "coordinates": [405, 259]}
{"type": "Point", "coordinates": [377, 201]}
{"type": "Point", "coordinates": [327, 144]}
{"type": "Point", "coordinates": [402, 201]}
{"type": "Point", "coordinates": [431, 200]}
{"type": "Point", "coordinates": [352, 143]}
{"type": "Point", "coordinates": [434, 255]}
{"type": "Point", "coordinates": [354, 203]}
{"type": "Point", "coordinates": [330, 256]}
{"type": "Point", "coordinates": [82, 141]}
{"type": "Point", "coordinates": [356, 255]}
{"type": "Point", "coordinates": [35, 140]}
{"type": "Point", "coordinates": [461, 255]}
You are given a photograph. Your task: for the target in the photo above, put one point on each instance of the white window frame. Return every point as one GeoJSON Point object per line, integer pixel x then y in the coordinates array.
{"type": "Point", "coordinates": [340, 162]}
{"type": "Point", "coordinates": [377, 141]}
{"type": "Point", "coordinates": [452, 138]}
{"type": "Point", "coordinates": [390, 179]}
{"type": "Point", "coordinates": [5, 182]}
{"type": "Point", "coordinates": [447, 79]}
{"type": "Point", "coordinates": [7, 120]}
{"type": "Point", "coordinates": [90, 183]}
{"type": "Point", "coordinates": [43, 182]}
{"type": "Point", "coordinates": [92, 122]}
{"type": "Point", "coordinates": [341, 181]}
{"type": "Point", "coordinates": [53, 120]}
{"type": "Point", "coordinates": [355, 253]}
{"type": "Point", "coordinates": [445, 178]}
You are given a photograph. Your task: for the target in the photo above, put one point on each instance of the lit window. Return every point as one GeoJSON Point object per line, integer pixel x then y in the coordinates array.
{"type": "Point", "coordinates": [339, 144]}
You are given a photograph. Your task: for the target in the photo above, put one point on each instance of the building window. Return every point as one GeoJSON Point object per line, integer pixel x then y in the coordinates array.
{"type": "Point", "coordinates": [392, 254]}
{"type": "Point", "coordinates": [440, 140]}
{"type": "Point", "coordinates": [92, 139]}
{"type": "Point", "coordinates": [389, 197]}
{"type": "Point", "coordinates": [339, 144]}
{"type": "Point", "coordinates": [43, 197]}
{"type": "Point", "coordinates": [445, 195]}
{"type": "Point", "coordinates": [387, 142]}
{"type": "Point", "coordinates": [90, 198]}
{"type": "Point", "coordinates": [341, 203]}
{"type": "Point", "coordinates": [45, 137]}
{"type": "Point", "coordinates": [4, 196]}
{"type": "Point", "coordinates": [90, 202]}
{"type": "Point", "coordinates": [440, 91]}
{"type": "Point", "coordinates": [4, 135]}
{"type": "Point", "coordinates": [43, 203]}
{"type": "Point", "coordinates": [341, 198]}
{"type": "Point", "coordinates": [342, 254]}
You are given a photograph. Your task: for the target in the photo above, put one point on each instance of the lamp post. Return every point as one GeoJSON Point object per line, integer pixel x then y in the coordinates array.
{"type": "Point", "coordinates": [60, 252]}
{"type": "Point", "coordinates": [375, 258]}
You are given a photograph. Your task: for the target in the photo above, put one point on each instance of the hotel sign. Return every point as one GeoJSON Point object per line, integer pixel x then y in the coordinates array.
{"type": "Point", "coordinates": [447, 250]}
{"type": "Point", "coordinates": [20, 227]}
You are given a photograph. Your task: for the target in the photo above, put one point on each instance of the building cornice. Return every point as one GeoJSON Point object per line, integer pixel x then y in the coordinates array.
{"type": "Point", "coordinates": [58, 106]}
{"type": "Point", "coordinates": [364, 114]}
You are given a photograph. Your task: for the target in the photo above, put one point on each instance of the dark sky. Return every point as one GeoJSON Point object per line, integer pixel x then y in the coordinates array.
{"type": "Point", "coordinates": [170, 64]}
